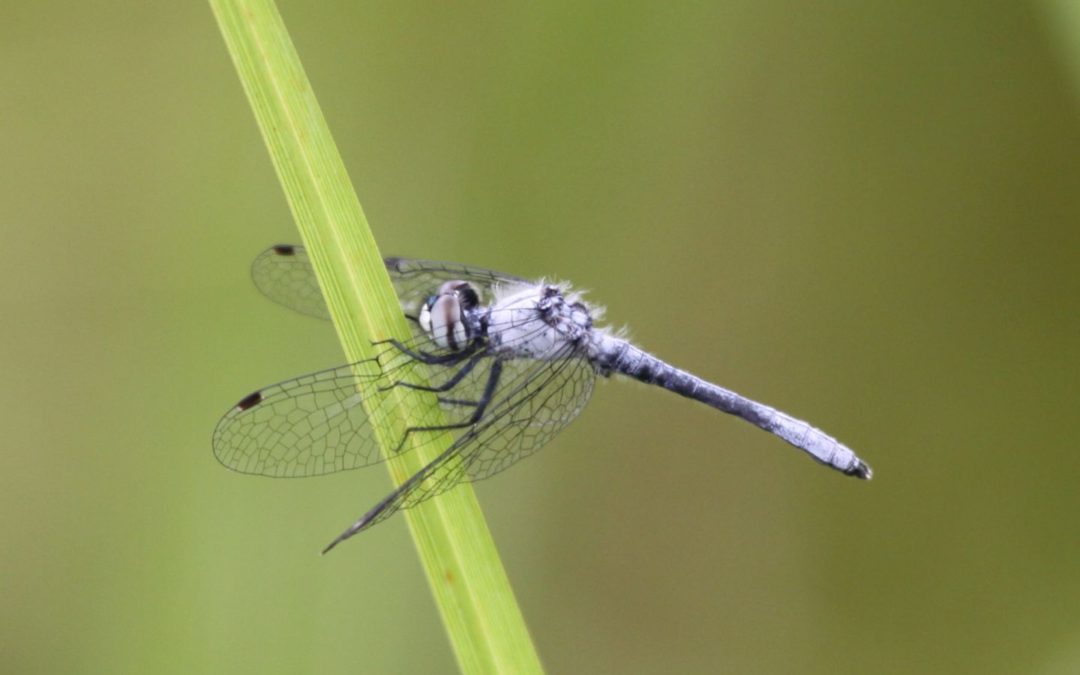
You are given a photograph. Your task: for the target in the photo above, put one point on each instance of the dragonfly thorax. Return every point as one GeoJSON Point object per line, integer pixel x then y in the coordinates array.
{"type": "Point", "coordinates": [444, 316]}
{"type": "Point", "coordinates": [537, 321]}
{"type": "Point", "coordinates": [568, 315]}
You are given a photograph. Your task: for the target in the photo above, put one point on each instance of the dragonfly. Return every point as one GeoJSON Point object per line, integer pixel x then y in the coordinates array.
{"type": "Point", "coordinates": [511, 362]}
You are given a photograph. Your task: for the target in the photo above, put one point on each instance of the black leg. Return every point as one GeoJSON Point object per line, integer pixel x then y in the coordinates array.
{"type": "Point", "coordinates": [433, 359]}
{"type": "Point", "coordinates": [457, 401]}
{"type": "Point", "coordinates": [478, 413]}
{"type": "Point", "coordinates": [445, 386]}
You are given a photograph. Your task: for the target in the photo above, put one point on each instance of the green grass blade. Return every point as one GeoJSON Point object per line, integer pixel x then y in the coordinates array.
{"type": "Point", "coordinates": [474, 597]}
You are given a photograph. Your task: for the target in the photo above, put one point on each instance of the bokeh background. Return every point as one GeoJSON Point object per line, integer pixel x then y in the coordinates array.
{"type": "Point", "coordinates": [865, 214]}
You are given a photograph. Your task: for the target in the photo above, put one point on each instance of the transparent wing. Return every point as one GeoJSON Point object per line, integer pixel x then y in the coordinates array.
{"type": "Point", "coordinates": [284, 274]}
{"type": "Point", "coordinates": [316, 424]}
{"type": "Point", "coordinates": [536, 401]}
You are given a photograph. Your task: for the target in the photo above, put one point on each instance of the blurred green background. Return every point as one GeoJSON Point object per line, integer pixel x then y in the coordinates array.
{"type": "Point", "coordinates": [865, 214]}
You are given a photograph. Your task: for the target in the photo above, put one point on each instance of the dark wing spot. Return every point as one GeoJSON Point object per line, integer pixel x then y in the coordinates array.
{"type": "Point", "coordinates": [285, 249]}
{"type": "Point", "coordinates": [250, 401]}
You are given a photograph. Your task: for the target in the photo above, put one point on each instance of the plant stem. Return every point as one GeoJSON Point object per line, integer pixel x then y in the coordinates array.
{"type": "Point", "coordinates": [484, 623]}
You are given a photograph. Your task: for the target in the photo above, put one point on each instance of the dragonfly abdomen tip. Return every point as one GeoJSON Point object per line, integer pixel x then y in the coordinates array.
{"type": "Point", "coordinates": [861, 470]}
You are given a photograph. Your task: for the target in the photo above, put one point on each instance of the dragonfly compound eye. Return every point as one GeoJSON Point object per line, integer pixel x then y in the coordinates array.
{"type": "Point", "coordinates": [443, 319]}
{"type": "Point", "coordinates": [468, 297]}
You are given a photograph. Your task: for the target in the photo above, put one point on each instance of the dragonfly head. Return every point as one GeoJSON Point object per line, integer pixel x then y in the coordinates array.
{"type": "Point", "coordinates": [445, 315]}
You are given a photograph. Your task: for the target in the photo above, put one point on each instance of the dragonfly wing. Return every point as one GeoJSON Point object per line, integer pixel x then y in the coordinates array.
{"type": "Point", "coordinates": [540, 404]}
{"type": "Point", "coordinates": [285, 275]}
{"type": "Point", "coordinates": [316, 424]}
{"type": "Point", "coordinates": [534, 401]}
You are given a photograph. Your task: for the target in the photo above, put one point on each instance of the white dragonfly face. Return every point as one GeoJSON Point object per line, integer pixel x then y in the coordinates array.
{"type": "Point", "coordinates": [442, 316]}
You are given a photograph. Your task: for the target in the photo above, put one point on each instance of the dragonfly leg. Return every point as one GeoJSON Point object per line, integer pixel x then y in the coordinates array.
{"type": "Point", "coordinates": [445, 386]}
{"type": "Point", "coordinates": [457, 401]}
{"type": "Point", "coordinates": [431, 359]}
{"type": "Point", "coordinates": [478, 413]}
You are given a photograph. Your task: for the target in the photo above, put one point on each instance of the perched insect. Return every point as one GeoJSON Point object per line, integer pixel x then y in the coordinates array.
{"type": "Point", "coordinates": [511, 362]}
